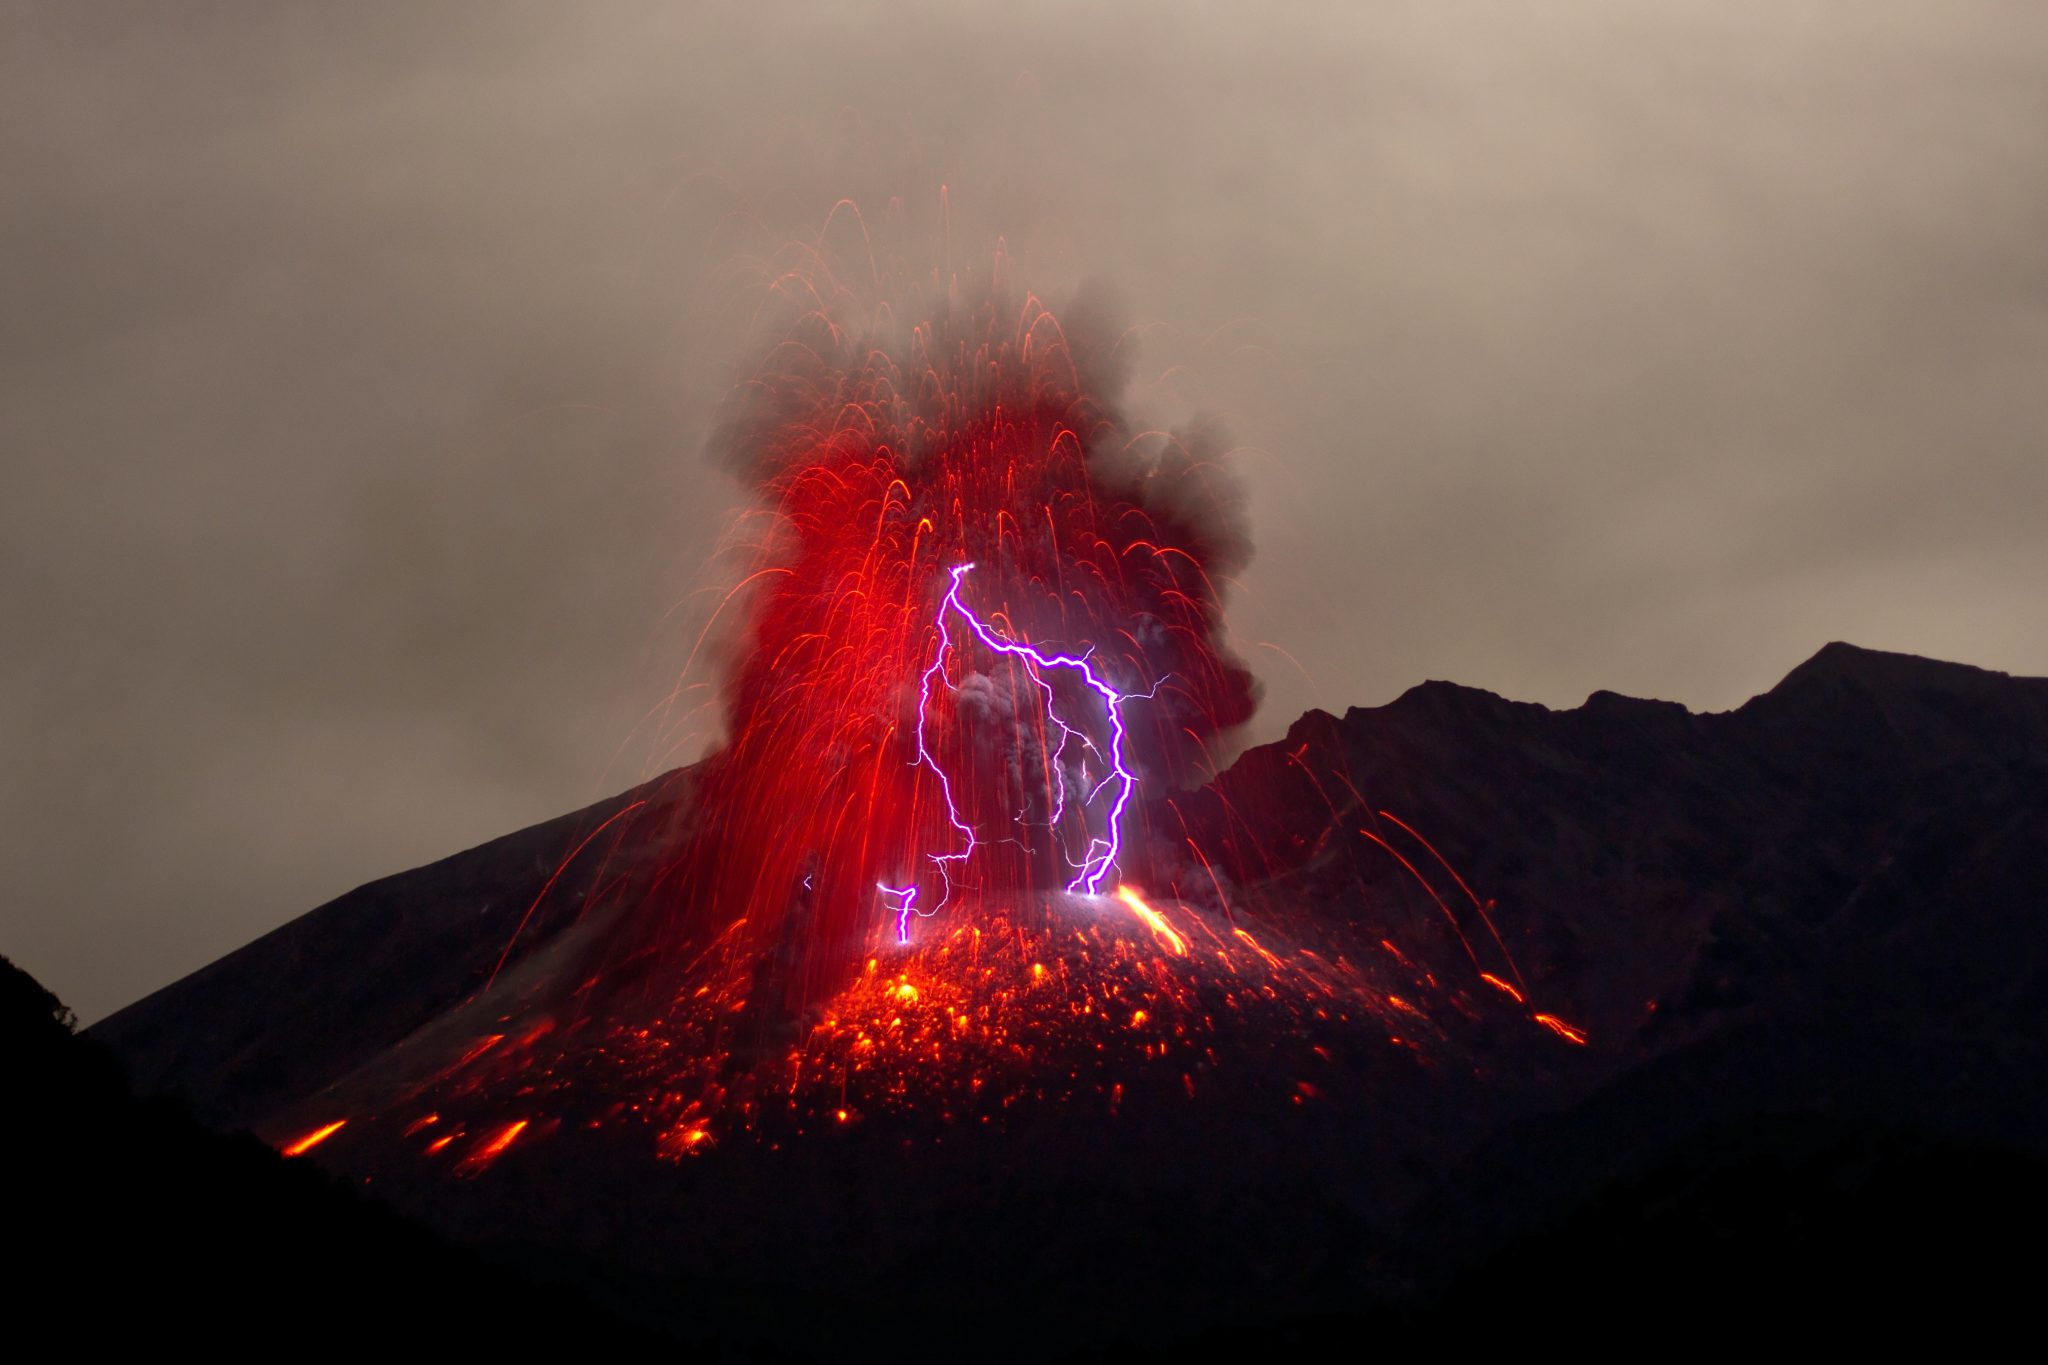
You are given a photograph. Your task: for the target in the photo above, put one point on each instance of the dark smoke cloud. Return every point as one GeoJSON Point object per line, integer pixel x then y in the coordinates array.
{"type": "Point", "coordinates": [356, 361]}
{"type": "Point", "coordinates": [819, 331]}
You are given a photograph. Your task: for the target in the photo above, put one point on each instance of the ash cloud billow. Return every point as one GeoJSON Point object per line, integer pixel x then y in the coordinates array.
{"type": "Point", "coordinates": [878, 754]}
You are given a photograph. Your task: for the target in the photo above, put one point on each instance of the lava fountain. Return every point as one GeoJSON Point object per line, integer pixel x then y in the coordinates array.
{"type": "Point", "coordinates": [965, 571]}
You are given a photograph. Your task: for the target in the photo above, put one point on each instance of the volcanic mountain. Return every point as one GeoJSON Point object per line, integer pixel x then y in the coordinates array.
{"type": "Point", "coordinates": [1402, 987]}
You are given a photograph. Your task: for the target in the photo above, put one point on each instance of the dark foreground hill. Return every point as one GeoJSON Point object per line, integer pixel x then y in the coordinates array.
{"type": "Point", "coordinates": [129, 1226]}
{"type": "Point", "coordinates": [1798, 949]}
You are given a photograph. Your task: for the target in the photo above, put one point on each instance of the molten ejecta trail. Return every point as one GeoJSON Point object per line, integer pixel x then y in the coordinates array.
{"type": "Point", "coordinates": [1162, 932]}
{"type": "Point", "coordinates": [314, 1138]}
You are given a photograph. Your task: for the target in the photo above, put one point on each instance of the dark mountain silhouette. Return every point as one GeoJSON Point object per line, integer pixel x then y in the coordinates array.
{"type": "Point", "coordinates": [131, 1226]}
{"type": "Point", "coordinates": [1803, 939]}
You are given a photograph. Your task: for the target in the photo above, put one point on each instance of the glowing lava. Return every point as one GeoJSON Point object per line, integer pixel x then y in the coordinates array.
{"type": "Point", "coordinates": [313, 1139]}
{"type": "Point", "coordinates": [1153, 920]}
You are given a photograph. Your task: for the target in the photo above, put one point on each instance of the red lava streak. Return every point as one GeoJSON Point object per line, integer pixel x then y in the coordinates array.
{"type": "Point", "coordinates": [495, 1147]}
{"type": "Point", "coordinates": [313, 1139]}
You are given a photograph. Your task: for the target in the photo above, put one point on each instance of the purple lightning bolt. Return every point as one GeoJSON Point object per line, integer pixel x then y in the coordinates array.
{"type": "Point", "coordinates": [1100, 857]}
{"type": "Point", "coordinates": [902, 901]}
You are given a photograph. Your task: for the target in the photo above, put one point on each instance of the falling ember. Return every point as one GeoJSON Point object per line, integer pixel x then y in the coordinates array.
{"type": "Point", "coordinates": [314, 1138]}
{"type": "Point", "coordinates": [493, 1149]}
{"type": "Point", "coordinates": [1503, 987]}
{"type": "Point", "coordinates": [1562, 1029]}
{"type": "Point", "coordinates": [1253, 944]}
{"type": "Point", "coordinates": [1153, 920]}
{"type": "Point", "coordinates": [691, 1139]}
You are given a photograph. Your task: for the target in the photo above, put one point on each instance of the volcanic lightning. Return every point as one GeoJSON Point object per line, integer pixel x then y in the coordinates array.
{"type": "Point", "coordinates": [1099, 859]}
{"type": "Point", "coordinates": [889, 755]}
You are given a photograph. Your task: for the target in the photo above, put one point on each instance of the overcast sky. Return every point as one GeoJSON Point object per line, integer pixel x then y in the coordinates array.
{"type": "Point", "coordinates": [355, 361]}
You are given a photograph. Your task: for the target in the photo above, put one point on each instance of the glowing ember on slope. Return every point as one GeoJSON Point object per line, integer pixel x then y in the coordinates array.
{"type": "Point", "coordinates": [1561, 1028]}
{"type": "Point", "coordinates": [992, 1015]}
{"type": "Point", "coordinates": [1076, 1000]}
{"type": "Point", "coordinates": [1161, 930]}
{"type": "Point", "coordinates": [313, 1139]}
{"type": "Point", "coordinates": [495, 1147]}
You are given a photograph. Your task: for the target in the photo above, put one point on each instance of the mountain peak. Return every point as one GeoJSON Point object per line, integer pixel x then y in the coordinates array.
{"type": "Point", "coordinates": [1889, 672]}
{"type": "Point", "coordinates": [1437, 697]}
{"type": "Point", "coordinates": [1604, 702]}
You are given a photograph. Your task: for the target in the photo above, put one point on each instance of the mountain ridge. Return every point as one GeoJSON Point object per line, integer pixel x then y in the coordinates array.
{"type": "Point", "coordinates": [496, 879]}
{"type": "Point", "coordinates": [1821, 904]}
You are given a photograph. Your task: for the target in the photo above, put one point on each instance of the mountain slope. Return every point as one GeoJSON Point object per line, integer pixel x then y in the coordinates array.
{"type": "Point", "coordinates": [1499, 959]}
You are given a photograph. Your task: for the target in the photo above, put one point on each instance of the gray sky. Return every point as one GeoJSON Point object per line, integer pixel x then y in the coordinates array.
{"type": "Point", "coordinates": [355, 361]}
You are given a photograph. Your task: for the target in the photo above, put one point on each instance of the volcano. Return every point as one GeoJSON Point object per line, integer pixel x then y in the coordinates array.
{"type": "Point", "coordinates": [1431, 975]}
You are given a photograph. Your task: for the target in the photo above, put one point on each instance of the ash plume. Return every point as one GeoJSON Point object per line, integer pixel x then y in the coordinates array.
{"type": "Point", "coordinates": [886, 439]}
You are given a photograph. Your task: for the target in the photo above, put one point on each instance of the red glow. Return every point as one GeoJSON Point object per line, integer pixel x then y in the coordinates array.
{"type": "Point", "coordinates": [314, 1138]}
{"type": "Point", "coordinates": [1153, 920]}
{"type": "Point", "coordinates": [494, 1148]}
{"type": "Point", "coordinates": [1503, 987]}
{"type": "Point", "coordinates": [1562, 1029]}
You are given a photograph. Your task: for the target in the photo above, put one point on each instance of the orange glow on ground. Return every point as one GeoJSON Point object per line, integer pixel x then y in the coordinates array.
{"type": "Point", "coordinates": [1060, 1001]}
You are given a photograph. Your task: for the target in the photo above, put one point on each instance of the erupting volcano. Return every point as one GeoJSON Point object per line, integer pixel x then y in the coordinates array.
{"type": "Point", "coordinates": [904, 736]}
{"type": "Point", "coordinates": [956, 854]}
{"type": "Point", "coordinates": [784, 479]}
{"type": "Point", "coordinates": [1283, 1059]}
